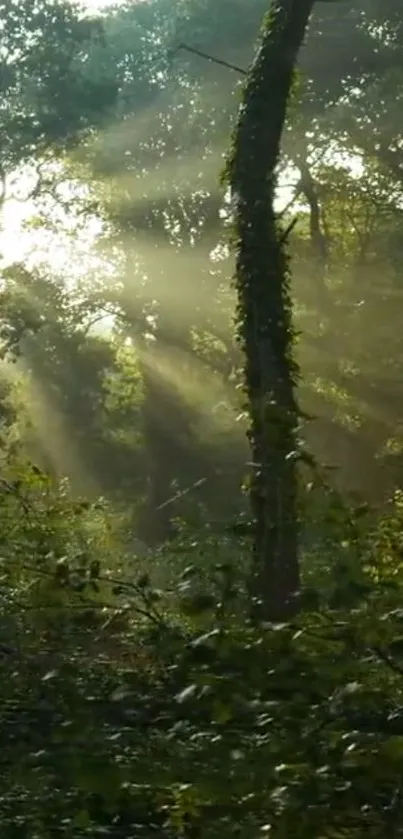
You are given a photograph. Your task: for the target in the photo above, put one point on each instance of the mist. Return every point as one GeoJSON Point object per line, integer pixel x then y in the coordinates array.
{"type": "Point", "coordinates": [128, 239]}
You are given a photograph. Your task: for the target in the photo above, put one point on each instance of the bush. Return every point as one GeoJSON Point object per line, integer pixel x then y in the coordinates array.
{"type": "Point", "coordinates": [130, 711]}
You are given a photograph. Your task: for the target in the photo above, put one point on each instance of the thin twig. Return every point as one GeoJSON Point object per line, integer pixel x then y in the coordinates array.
{"type": "Point", "coordinates": [213, 59]}
{"type": "Point", "coordinates": [180, 494]}
{"type": "Point", "coordinates": [288, 230]}
{"type": "Point", "coordinates": [386, 659]}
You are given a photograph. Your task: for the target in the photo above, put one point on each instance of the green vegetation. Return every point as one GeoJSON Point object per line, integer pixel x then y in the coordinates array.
{"type": "Point", "coordinates": [201, 479]}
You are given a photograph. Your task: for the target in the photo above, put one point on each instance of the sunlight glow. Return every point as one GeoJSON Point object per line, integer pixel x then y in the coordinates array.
{"type": "Point", "coordinates": [198, 386]}
{"type": "Point", "coordinates": [48, 430]}
{"type": "Point", "coordinates": [100, 5]}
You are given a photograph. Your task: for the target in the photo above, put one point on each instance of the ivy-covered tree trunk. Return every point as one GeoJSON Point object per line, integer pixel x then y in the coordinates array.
{"type": "Point", "coordinates": [264, 315]}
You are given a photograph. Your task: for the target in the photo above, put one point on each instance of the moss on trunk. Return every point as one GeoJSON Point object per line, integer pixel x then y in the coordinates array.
{"type": "Point", "coordinates": [264, 315]}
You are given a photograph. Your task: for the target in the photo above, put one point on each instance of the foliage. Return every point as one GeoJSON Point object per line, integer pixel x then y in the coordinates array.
{"type": "Point", "coordinates": [136, 698]}
{"type": "Point", "coordinates": [137, 727]}
{"type": "Point", "coordinates": [46, 97]}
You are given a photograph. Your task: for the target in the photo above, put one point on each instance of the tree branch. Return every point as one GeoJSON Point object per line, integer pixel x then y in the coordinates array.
{"type": "Point", "coordinates": [212, 58]}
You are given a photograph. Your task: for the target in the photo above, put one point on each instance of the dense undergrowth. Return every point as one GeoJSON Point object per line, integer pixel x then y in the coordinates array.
{"type": "Point", "coordinates": [131, 711]}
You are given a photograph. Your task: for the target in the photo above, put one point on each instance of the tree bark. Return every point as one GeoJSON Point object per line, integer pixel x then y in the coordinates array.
{"type": "Point", "coordinates": [264, 317]}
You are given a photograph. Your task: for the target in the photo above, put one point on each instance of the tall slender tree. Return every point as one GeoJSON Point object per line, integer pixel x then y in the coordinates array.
{"type": "Point", "coordinates": [264, 317]}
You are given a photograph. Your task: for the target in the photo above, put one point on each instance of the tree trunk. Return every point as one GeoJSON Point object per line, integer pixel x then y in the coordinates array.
{"type": "Point", "coordinates": [265, 330]}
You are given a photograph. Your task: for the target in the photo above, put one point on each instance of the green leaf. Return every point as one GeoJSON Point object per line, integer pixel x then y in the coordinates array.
{"type": "Point", "coordinates": [187, 694]}
{"type": "Point", "coordinates": [82, 820]}
{"type": "Point", "coordinates": [208, 636]}
{"type": "Point", "coordinates": [392, 749]}
{"type": "Point", "coordinates": [197, 604]}
{"type": "Point", "coordinates": [396, 646]}
{"type": "Point", "coordinates": [222, 712]}
{"type": "Point", "coordinates": [51, 675]}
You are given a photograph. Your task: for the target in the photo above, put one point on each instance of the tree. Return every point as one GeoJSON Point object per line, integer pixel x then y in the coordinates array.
{"type": "Point", "coordinates": [49, 97]}
{"type": "Point", "coordinates": [265, 328]}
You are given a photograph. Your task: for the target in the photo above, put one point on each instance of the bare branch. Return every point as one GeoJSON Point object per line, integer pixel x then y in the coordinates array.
{"type": "Point", "coordinates": [289, 229]}
{"type": "Point", "coordinates": [308, 188]}
{"type": "Point", "coordinates": [388, 660]}
{"type": "Point", "coordinates": [213, 59]}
